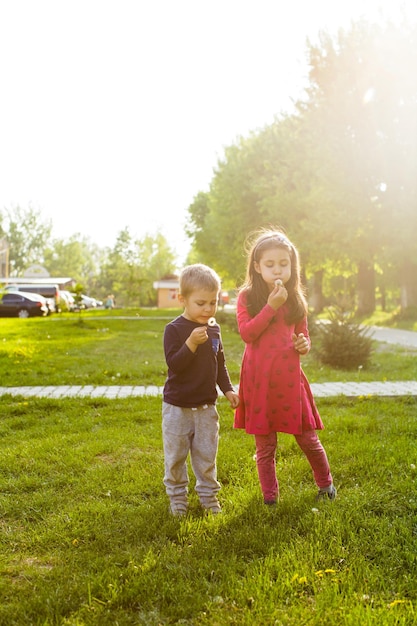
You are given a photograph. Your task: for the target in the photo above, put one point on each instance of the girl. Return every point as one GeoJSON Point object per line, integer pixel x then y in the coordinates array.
{"type": "Point", "coordinates": [275, 395]}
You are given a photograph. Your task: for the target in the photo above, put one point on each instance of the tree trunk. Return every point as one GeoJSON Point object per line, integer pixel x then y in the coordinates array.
{"type": "Point", "coordinates": [408, 286]}
{"type": "Point", "coordinates": [316, 298]}
{"type": "Point", "coordinates": [366, 288]}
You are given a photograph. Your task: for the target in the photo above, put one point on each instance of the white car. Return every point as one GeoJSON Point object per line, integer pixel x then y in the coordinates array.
{"type": "Point", "coordinates": [68, 300]}
{"type": "Point", "coordinates": [89, 303]}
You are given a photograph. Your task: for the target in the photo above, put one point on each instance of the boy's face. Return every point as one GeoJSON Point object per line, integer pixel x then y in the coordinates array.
{"type": "Point", "coordinates": [199, 305]}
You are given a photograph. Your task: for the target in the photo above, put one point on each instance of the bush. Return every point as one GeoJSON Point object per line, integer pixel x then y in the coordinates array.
{"type": "Point", "coordinates": [227, 320]}
{"type": "Point", "coordinates": [342, 342]}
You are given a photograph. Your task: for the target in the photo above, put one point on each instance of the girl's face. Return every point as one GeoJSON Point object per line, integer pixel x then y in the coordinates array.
{"type": "Point", "coordinates": [199, 305]}
{"type": "Point", "coordinates": [274, 263]}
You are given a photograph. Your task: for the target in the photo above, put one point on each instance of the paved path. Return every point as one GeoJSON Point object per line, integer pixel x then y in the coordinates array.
{"type": "Point", "coordinates": [320, 390]}
{"type": "Point", "coordinates": [404, 338]}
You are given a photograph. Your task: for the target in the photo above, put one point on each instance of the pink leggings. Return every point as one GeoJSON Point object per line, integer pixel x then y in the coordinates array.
{"type": "Point", "coordinates": [309, 443]}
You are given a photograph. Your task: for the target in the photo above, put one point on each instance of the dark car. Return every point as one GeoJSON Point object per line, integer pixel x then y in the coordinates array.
{"type": "Point", "coordinates": [49, 292]}
{"type": "Point", "coordinates": [17, 304]}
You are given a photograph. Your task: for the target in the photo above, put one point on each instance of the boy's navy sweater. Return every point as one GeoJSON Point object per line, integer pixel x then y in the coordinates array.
{"type": "Point", "coordinates": [193, 376]}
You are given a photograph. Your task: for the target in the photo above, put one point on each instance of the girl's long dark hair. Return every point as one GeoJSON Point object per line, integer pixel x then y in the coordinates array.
{"type": "Point", "coordinates": [256, 289]}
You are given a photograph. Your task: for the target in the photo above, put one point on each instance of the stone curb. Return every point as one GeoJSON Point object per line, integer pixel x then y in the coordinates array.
{"type": "Point", "coordinates": [320, 390]}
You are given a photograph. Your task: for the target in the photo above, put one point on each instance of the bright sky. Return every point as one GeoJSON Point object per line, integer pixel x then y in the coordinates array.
{"type": "Point", "coordinates": [114, 113]}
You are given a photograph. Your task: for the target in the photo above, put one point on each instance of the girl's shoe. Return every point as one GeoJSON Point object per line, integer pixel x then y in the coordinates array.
{"type": "Point", "coordinates": [329, 492]}
{"type": "Point", "coordinates": [270, 502]}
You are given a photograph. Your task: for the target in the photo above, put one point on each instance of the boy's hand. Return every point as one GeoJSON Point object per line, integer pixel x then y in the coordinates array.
{"type": "Point", "coordinates": [301, 343]}
{"type": "Point", "coordinates": [197, 337]}
{"type": "Point", "coordinates": [233, 399]}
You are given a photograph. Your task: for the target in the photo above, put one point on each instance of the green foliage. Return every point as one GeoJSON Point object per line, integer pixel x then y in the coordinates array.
{"type": "Point", "coordinates": [343, 343]}
{"type": "Point", "coordinates": [132, 266]}
{"type": "Point", "coordinates": [128, 270]}
{"type": "Point", "coordinates": [78, 258]}
{"type": "Point", "coordinates": [339, 175]}
{"type": "Point", "coordinates": [78, 292]}
{"type": "Point", "coordinates": [227, 320]}
{"type": "Point", "coordinates": [27, 235]}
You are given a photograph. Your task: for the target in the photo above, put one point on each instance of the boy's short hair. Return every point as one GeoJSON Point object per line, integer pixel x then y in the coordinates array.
{"type": "Point", "coordinates": [198, 276]}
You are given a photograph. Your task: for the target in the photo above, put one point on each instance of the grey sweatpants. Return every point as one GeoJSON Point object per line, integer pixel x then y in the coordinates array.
{"type": "Point", "coordinates": [194, 431]}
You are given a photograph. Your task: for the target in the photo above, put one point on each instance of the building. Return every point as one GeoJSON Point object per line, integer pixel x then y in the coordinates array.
{"type": "Point", "coordinates": [63, 282]}
{"type": "Point", "coordinates": [167, 292]}
{"type": "Point", "coordinates": [37, 275]}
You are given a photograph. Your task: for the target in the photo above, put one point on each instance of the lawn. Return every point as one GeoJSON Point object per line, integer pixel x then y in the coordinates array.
{"type": "Point", "coordinates": [126, 348]}
{"type": "Point", "coordinates": [86, 536]}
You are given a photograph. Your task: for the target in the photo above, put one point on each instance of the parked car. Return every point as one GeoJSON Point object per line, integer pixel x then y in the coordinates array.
{"type": "Point", "coordinates": [50, 292]}
{"type": "Point", "coordinates": [89, 303]}
{"type": "Point", "coordinates": [17, 304]}
{"type": "Point", "coordinates": [67, 300]}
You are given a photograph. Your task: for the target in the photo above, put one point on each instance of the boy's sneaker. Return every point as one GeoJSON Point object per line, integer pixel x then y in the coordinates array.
{"type": "Point", "coordinates": [211, 505]}
{"type": "Point", "coordinates": [215, 509]}
{"type": "Point", "coordinates": [329, 492]}
{"type": "Point", "coordinates": [178, 510]}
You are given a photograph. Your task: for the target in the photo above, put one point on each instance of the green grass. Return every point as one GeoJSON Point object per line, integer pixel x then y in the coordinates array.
{"type": "Point", "coordinates": [98, 349]}
{"type": "Point", "coordinates": [87, 539]}
{"type": "Point", "coordinates": [86, 536]}
{"type": "Point", "coordinates": [392, 318]}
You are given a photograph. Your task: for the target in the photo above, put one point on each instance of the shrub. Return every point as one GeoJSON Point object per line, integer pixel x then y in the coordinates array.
{"type": "Point", "coordinates": [343, 343]}
{"type": "Point", "coordinates": [227, 320]}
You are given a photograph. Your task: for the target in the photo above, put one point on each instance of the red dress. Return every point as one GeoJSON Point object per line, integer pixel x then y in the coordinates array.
{"type": "Point", "coordinates": [275, 395]}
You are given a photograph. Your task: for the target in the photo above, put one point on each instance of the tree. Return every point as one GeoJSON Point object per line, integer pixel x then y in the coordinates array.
{"type": "Point", "coordinates": [119, 273]}
{"type": "Point", "coordinates": [195, 228]}
{"type": "Point", "coordinates": [221, 218]}
{"type": "Point", "coordinates": [27, 235]}
{"type": "Point", "coordinates": [132, 266]}
{"type": "Point", "coordinates": [253, 186]}
{"type": "Point", "coordinates": [76, 257]}
{"type": "Point", "coordinates": [156, 259]}
{"type": "Point", "coordinates": [339, 175]}
{"type": "Point", "coordinates": [363, 107]}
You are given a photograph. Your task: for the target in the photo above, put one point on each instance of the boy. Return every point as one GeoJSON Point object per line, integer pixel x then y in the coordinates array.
{"type": "Point", "coordinates": [196, 365]}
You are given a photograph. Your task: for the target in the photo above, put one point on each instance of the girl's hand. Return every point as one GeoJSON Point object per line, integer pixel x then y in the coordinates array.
{"type": "Point", "coordinates": [301, 343]}
{"type": "Point", "coordinates": [277, 297]}
{"type": "Point", "coordinates": [197, 337]}
{"type": "Point", "coordinates": [233, 399]}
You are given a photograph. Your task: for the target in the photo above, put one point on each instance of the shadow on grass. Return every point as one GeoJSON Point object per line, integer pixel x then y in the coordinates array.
{"type": "Point", "coordinates": [87, 537]}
